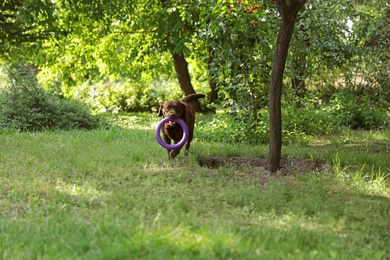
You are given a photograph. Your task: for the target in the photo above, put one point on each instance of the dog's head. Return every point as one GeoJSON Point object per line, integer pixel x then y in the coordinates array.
{"type": "Point", "coordinates": [173, 109]}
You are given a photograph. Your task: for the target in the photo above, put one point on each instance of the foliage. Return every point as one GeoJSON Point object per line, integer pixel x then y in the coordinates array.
{"type": "Point", "coordinates": [78, 46]}
{"type": "Point", "coordinates": [344, 109]}
{"type": "Point", "coordinates": [126, 96]}
{"type": "Point", "coordinates": [136, 45]}
{"type": "Point", "coordinates": [320, 55]}
{"type": "Point", "coordinates": [24, 25]}
{"type": "Point", "coordinates": [370, 71]}
{"type": "Point", "coordinates": [358, 111]}
{"type": "Point", "coordinates": [118, 96]}
{"type": "Point", "coordinates": [26, 106]}
{"type": "Point", "coordinates": [225, 128]}
{"type": "Point", "coordinates": [342, 44]}
{"type": "Point", "coordinates": [88, 40]}
{"type": "Point", "coordinates": [240, 36]}
{"type": "Point", "coordinates": [320, 45]}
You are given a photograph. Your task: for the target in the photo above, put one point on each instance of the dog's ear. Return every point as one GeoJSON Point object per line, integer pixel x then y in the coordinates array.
{"type": "Point", "coordinates": [160, 111]}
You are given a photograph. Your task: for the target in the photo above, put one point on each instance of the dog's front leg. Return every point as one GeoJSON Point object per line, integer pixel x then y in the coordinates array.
{"type": "Point", "coordinates": [187, 147]}
{"type": "Point", "coordinates": [168, 141]}
{"type": "Point", "coordinates": [175, 152]}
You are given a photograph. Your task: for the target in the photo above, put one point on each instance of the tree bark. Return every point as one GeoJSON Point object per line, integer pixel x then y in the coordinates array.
{"type": "Point", "coordinates": [299, 86]}
{"type": "Point", "coordinates": [288, 12]}
{"type": "Point", "coordinates": [181, 67]}
{"type": "Point", "coordinates": [213, 87]}
{"type": "Point", "coordinates": [299, 63]}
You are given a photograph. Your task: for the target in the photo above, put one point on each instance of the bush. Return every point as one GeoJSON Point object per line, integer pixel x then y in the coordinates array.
{"type": "Point", "coordinates": [116, 96]}
{"type": "Point", "coordinates": [313, 117]}
{"type": "Point", "coordinates": [126, 96]}
{"type": "Point", "coordinates": [358, 110]}
{"type": "Point", "coordinates": [229, 129]}
{"type": "Point", "coordinates": [25, 106]}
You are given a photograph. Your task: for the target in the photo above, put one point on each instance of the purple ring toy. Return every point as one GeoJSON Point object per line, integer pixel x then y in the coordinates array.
{"type": "Point", "coordinates": [172, 146]}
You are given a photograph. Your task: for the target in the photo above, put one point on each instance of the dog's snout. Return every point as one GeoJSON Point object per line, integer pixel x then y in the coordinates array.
{"type": "Point", "coordinates": [172, 114]}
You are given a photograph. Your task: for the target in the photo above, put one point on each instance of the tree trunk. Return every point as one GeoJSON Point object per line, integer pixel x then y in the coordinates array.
{"type": "Point", "coordinates": [299, 62]}
{"type": "Point", "coordinates": [213, 87]}
{"type": "Point", "coordinates": [299, 86]}
{"type": "Point", "coordinates": [288, 12]}
{"type": "Point", "coordinates": [181, 67]}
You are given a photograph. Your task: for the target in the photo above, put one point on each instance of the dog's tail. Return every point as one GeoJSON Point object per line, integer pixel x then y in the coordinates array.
{"type": "Point", "coordinates": [192, 97]}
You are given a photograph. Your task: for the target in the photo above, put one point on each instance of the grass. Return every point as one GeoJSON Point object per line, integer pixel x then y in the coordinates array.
{"type": "Point", "coordinates": [112, 194]}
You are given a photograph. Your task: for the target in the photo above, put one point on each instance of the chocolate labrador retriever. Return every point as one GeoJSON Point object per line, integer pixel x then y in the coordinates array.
{"type": "Point", "coordinates": [173, 131]}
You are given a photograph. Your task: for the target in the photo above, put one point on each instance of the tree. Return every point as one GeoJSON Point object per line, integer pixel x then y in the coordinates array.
{"type": "Point", "coordinates": [95, 40]}
{"type": "Point", "coordinates": [372, 37]}
{"type": "Point", "coordinates": [239, 36]}
{"type": "Point", "coordinates": [288, 11]}
{"type": "Point", "coordinates": [320, 45]}
{"type": "Point", "coordinates": [23, 26]}
{"type": "Point", "coordinates": [179, 30]}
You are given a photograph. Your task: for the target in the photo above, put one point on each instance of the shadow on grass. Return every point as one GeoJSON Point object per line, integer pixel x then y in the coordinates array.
{"type": "Point", "coordinates": [164, 215]}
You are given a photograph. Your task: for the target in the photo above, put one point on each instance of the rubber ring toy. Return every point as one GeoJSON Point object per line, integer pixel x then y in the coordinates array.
{"type": "Point", "coordinates": [172, 146]}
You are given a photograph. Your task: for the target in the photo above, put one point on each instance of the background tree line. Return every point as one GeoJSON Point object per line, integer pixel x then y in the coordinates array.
{"type": "Point", "coordinates": [227, 43]}
{"type": "Point", "coordinates": [131, 55]}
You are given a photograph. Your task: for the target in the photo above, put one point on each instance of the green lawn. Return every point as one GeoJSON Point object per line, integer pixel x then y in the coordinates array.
{"type": "Point", "coordinates": [112, 194]}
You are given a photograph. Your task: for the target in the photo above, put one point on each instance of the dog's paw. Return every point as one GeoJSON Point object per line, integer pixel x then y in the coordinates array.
{"type": "Point", "coordinates": [173, 154]}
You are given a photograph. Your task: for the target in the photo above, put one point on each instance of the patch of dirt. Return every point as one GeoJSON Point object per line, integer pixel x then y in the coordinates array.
{"type": "Point", "coordinates": [256, 168]}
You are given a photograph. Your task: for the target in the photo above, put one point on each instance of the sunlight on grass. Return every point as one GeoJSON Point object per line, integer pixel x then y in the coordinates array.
{"type": "Point", "coordinates": [373, 183]}
{"type": "Point", "coordinates": [140, 121]}
{"type": "Point", "coordinates": [184, 238]}
{"type": "Point", "coordinates": [112, 194]}
{"type": "Point", "coordinates": [79, 190]}
{"type": "Point", "coordinates": [348, 136]}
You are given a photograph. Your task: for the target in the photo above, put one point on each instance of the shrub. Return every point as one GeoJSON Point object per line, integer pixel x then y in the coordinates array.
{"type": "Point", "coordinates": [358, 110]}
{"type": "Point", "coordinates": [313, 117]}
{"type": "Point", "coordinates": [229, 129]}
{"type": "Point", "coordinates": [241, 128]}
{"type": "Point", "coordinates": [126, 96]}
{"type": "Point", "coordinates": [25, 106]}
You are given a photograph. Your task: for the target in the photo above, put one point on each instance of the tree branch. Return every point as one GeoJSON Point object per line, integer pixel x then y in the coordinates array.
{"type": "Point", "coordinates": [289, 9]}
{"type": "Point", "coordinates": [282, 7]}
{"type": "Point", "coordinates": [296, 5]}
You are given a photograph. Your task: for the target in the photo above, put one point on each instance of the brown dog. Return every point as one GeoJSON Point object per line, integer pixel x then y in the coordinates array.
{"type": "Point", "coordinates": [173, 131]}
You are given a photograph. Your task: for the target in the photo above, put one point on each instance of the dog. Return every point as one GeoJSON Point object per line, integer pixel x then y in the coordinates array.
{"type": "Point", "coordinates": [171, 130]}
